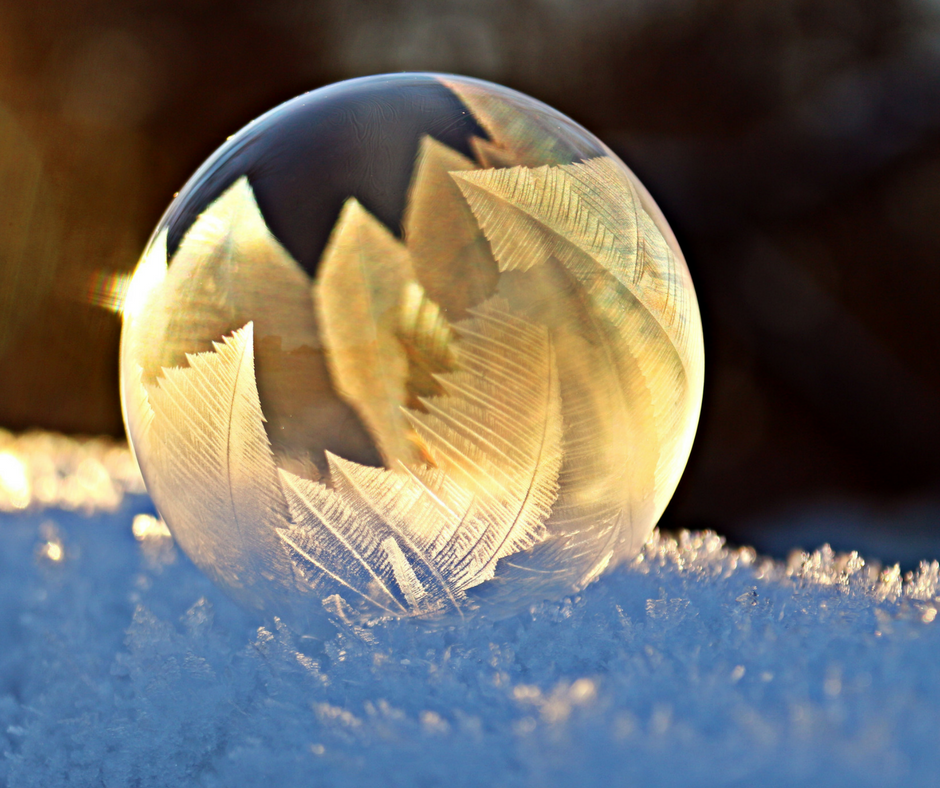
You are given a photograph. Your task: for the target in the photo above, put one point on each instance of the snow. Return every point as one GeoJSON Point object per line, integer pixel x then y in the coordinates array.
{"type": "Point", "coordinates": [696, 665]}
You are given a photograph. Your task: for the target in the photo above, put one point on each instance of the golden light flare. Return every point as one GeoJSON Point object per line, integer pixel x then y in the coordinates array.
{"type": "Point", "coordinates": [15, 488]}
{"type": "Point", "coordinates": [108, 290]}
{"type": "Point", "coordinates": [40, 470]}
{"type": "Point", "coordinates": [146, 527]}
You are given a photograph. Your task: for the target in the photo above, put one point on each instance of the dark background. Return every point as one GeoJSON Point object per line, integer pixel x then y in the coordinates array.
{"type": "Point", "coordinates": [794, 146]}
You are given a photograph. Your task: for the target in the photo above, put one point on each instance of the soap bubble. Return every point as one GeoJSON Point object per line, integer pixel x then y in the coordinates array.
{"type": "Point", "coordinates": [411, 345]}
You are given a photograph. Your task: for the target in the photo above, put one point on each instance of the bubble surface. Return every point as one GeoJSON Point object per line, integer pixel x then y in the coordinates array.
{"type": "Point", "coordinates": [411, 345]}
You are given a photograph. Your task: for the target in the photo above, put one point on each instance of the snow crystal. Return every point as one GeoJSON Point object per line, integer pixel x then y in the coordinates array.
{"type": "Point", "coordinates": [696, 665]}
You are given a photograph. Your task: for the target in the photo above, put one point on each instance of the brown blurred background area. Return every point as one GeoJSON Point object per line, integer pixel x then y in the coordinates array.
{"type": "Point", "coordinates": [794, 146]}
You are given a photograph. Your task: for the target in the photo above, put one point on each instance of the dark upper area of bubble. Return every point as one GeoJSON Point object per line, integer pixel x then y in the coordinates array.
{"type": "Point", "coordinates": [307, 156]}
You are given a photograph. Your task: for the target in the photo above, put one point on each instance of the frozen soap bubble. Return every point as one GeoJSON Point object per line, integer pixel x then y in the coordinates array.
{"type": "Point", "coordinates": [411, 345]}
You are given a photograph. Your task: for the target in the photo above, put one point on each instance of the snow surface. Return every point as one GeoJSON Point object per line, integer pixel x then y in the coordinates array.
{"type": "Point", "coordinates": [121, 665]}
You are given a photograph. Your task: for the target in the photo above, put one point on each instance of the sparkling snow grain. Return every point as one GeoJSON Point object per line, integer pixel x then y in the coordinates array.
{"type": "Point", "coordinates": [121, 665]}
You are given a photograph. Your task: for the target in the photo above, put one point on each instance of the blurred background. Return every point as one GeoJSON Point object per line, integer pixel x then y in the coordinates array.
{"type": "Point", "coordinates": [794, 146]}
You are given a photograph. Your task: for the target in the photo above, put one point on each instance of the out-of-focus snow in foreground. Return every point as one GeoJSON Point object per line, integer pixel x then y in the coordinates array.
{"type": "Point", "coordinates": [696, 665]}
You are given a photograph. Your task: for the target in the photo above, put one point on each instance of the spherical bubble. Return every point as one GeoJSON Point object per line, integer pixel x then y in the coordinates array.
{"type": "Point", "coordinates": [411, 345]}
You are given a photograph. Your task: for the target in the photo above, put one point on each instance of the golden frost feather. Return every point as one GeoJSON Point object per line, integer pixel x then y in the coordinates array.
{"type": "Point", "coordinates": [358, 298]}
{"type": "Point", "coordinates": [385, 338]}
{"type": "Point", "coordinates": [588, 217]}
{"type": "Point", "coordinates": [451, 256]}
{"type": "Point", "coordinates": [428, 340]}
{"type": "Point", "coordinates": [415, 540]}
{"type": "Point", "coordinates": [521, 129]}
{"type": "Point", "coordinates": [210, 465]}
{"type": "Point", "coordinates": [227, 269]}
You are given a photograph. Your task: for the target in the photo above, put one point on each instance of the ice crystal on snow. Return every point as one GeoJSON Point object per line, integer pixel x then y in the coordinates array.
{"type": "Point", "coordinates": [694, 665]}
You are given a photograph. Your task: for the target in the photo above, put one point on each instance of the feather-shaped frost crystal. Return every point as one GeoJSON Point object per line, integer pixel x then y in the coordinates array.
{"type": "Point", "coordinates": [411, 346]}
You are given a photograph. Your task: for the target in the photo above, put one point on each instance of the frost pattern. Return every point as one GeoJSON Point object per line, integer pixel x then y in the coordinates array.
{"type": "Point", "coordinates": [415, 540]}
{"type": "Point", "coordinates": [588, 217]}
{"type": "Point", "coordinates": [594, 207]}
{"type": "Point", "coordinates": [451, 256]}
{"type": "Point", "coordinates": [358, 295]}
{"type": "Point", "coordinates": [210, 465]}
